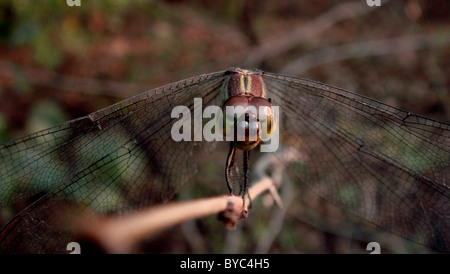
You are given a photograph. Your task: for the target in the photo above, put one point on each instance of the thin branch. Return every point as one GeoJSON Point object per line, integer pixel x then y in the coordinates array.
{"type": "Point", "coordinates": [120, 234]}
{"type": "Point", "coordinates": [364, 49]}
{"type": "Point", "coordinates": [313, 28]}
{"type": "Point", "coordinates": [59, 81]}
{"type": "Point", "coordinates": [288, 194]}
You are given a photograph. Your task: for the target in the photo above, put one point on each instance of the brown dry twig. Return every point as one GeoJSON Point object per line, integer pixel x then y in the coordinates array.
{"type": "Point", "coordinates": [120, 234]}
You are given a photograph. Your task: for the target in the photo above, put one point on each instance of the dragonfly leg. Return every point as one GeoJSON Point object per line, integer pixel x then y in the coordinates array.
{"type": "Point", "coordinates": [246, 175]}
{"type": "Point", "coordinates": [230, 164]}
{"type": "Point", "coordinates": [249, 200]}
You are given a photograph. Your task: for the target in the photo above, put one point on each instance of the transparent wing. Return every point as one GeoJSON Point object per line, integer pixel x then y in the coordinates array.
{"type": "Point", "coordinates": [378, 163]}
{"type": "Point", "coordinates": [119, 158]}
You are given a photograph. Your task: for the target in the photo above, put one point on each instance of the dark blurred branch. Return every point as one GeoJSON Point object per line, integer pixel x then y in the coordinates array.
{"type": "Point", "coordinates": [288, 195]}
{"type": "Point", "coordinates": [290, 40]}
{"type": "Point", "coordinates": [364, 49]}
{"type": "Point", "coordinates": [58, 81]}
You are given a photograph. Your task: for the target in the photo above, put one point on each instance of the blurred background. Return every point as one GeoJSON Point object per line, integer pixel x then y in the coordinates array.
{"type": "Point", "coordinates": [58, 63]}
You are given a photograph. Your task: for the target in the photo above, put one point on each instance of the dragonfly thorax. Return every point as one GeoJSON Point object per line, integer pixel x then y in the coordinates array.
{"type": "Point", "coordinates": [244, 82]}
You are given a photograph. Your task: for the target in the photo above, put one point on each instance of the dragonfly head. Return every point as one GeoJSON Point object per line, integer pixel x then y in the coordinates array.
{"type": "Point", "coordinates": [247, 119]}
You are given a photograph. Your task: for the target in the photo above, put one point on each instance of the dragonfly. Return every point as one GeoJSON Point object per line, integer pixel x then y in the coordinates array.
{"type": "Point", "coordinates": [255, 119]}
{"type": "Point", "coordinates": [378, 163]}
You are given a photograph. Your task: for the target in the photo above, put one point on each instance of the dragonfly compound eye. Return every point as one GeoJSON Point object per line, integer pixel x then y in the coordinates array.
{"type": "Point", "coordinates": [266, 116]}
{"type": "Point", "coordinates": [247, 119]}
{"type": "Point", "coordinates": [240, 122]}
